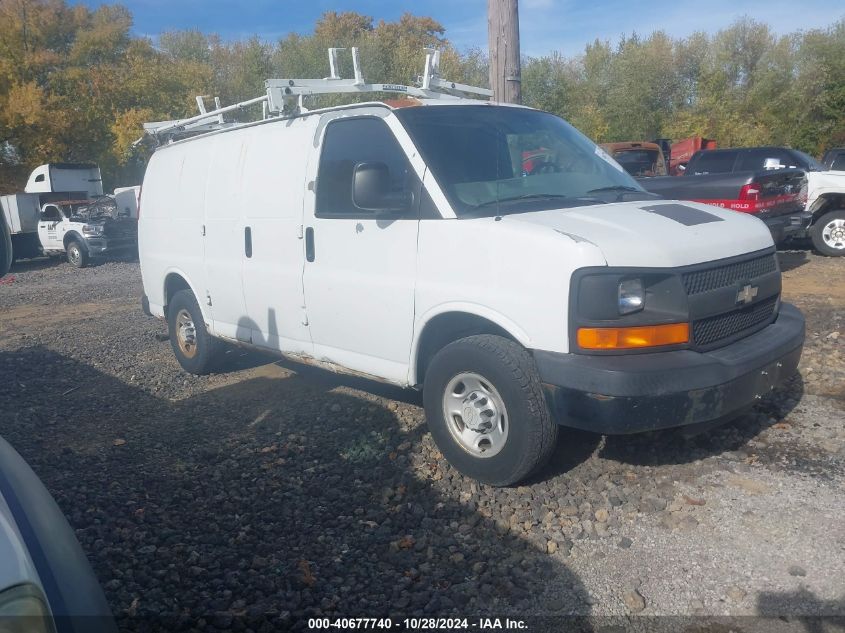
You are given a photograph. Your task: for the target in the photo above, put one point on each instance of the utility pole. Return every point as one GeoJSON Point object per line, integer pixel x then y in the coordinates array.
{"type": "Point", "coordinates": [503, 38]}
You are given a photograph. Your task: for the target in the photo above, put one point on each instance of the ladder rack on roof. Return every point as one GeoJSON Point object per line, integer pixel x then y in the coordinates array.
{"type": "Point", "coordinates": [285, 97]}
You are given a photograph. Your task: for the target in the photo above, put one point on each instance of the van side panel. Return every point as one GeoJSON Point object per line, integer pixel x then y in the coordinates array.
{"type": "Point", "coordinates": [274, 185]}
{"type": "Point", "coordinates": [224, 231]}
{"type": "Point", "coordinates": [170, 227]}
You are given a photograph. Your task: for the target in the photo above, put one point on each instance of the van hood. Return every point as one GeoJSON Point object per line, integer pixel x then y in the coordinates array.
{"type": "Point", "coordinates": [656, 233]}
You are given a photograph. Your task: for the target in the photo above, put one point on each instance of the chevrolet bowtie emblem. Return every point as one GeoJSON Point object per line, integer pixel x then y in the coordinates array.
{"type": "Point", "coordinates": [746, 294]}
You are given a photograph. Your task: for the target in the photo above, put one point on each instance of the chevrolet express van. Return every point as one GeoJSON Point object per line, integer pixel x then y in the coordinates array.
{"type": "Point", "coordinates": [414, 245]}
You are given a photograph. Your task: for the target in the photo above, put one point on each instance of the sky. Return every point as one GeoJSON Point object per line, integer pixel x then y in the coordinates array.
{"type": "Point", "coordinates": [545, 25]}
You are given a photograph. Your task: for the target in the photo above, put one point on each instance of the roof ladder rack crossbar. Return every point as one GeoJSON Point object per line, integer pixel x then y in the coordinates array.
{"type": "Point", "coordinates": [203, 122]}
{"type": "Point", "coordinates": [431, 79]}
{"type": "Point", "coordinates": [334, 72]}
{"type": "Point", "coordinates": [286, 95]}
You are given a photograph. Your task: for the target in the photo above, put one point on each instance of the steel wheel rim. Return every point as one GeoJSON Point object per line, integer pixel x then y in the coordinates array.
{"type": "Point", "coordinates": [73, 251]}
{"type": "Point", "coordinates": [475, 415]}
{"type": "Point", "coordinates": [833, 234]}
{"type": "Point", "coordinates": [186, 333]}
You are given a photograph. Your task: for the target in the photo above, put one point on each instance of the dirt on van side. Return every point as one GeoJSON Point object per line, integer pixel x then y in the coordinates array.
{"type": "Point", "coordinates": [268, 493]}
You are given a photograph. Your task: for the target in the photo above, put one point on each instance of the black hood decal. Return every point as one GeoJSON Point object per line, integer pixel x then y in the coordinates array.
{"type": "Point", "coordinates": [681, 213]}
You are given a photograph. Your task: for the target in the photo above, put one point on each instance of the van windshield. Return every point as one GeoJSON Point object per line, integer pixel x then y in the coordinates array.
{"type": "Point", "coordinates": [493, 160]}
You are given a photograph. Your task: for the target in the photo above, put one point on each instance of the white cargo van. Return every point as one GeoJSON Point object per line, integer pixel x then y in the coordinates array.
{"type": "Point", "coordinates": [490, 255]}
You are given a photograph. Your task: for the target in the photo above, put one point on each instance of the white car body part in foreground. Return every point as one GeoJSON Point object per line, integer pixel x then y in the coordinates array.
{"type": "Point", "coordinates": [46, 583]}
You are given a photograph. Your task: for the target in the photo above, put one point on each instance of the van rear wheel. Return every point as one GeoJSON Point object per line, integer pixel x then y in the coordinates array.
{"type": "Point", "coordinates": [195, 349]}
{"type": "Point", "coordinates": [486, 410]}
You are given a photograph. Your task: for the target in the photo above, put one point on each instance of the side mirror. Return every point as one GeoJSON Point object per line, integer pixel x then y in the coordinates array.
{"type": "Point", "coordinates": [371, 189]}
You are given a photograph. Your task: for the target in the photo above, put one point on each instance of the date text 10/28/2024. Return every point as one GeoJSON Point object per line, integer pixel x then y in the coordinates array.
{"type": "Point", "coordinates": [416, 624]}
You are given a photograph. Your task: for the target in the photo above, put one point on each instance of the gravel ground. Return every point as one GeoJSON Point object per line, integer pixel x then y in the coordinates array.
{"type": "Point", "coordinates": [270, 493]}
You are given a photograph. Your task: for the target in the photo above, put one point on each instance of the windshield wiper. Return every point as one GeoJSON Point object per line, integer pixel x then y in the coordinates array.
{"type": "Point", "coordinates": [616, 188]}
{"type": "Point", "coordinates": [526, 196]}
{"type": "Point", "coordinates": [621, 190]}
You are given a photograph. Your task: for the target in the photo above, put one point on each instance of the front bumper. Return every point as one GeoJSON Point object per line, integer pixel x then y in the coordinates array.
{"type": "Point", "coordinates": [784, 227]}
{"type": "Point", "coordinates": [644, 392]}
{"type": "Point", "coordinates": [104, 245]}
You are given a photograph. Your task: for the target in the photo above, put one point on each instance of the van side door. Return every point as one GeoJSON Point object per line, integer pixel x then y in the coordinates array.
{"type": "Point", "coordinates": [274, 186]}
{"type": "Point", "coordinates": [360, 267]}
{"type": "Point", "coordinates": [224, 235]}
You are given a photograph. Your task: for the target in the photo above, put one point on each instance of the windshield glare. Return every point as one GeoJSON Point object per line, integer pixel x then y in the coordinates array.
{"type": "Point", "coordinates": [510, 160]}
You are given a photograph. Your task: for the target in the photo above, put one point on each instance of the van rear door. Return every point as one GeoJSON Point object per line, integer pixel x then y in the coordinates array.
{"type": "Point", "coordinates": [360, 267]}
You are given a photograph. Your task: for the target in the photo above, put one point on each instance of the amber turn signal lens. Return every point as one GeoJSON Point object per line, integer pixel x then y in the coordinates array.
{"type": "Point", "coordinates": [632, 337]}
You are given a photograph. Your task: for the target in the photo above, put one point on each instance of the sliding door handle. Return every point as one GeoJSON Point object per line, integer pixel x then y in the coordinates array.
{"type": "Point", "coordinates": [309, 244]}
{"type": "Point", "coordinates": [248, 241]}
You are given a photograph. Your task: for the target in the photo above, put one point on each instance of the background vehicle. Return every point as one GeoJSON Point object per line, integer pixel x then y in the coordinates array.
{"type": "Point", "coordinates": [5, 246]}
{"type": "Point", "coordinates": [77, 180]}
{"type": "Point", "coordinates": [86, 228]}
{"type": "Point", "coordinates": [128, 200]}
{"type": "Point", "coordinates": [639, 159]}
{"type": "Point", "coordinates": [776, 197]}
{"type": "Point", "coordinates": [21, 213]}
{"type": "Point", "coordinates": [823, 194]}
{"type": "Point", "coordinates": [46, 583]}
{"type": "Point", "coordinates": [834, 159]}
{"type": "Point", "coordinates": [49, 220]}
{"type": "Point", "coordinates": [408, 244]}
{"type": "Point", "coordinates": [683, 150]}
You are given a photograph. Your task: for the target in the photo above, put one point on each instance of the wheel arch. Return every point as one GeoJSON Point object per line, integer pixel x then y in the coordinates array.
{"type": "Point", "coordinates": [176, 280]}
{"type": "Point", "coordinates": [450, 323]}
{"type": "Point", "coordinates": [73, 236]}
{"type": "Point", "coordinates": [825, 203]}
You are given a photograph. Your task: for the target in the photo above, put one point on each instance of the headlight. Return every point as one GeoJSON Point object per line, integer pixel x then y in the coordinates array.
{"type": "Point", "coordinates": [92, 229]}
{"type": "Point", "coordinates": [23, 609]}
{"type": "Point", "coordinates": [608, 309]}
{"type": "Point", "coordinates": [631, 296]}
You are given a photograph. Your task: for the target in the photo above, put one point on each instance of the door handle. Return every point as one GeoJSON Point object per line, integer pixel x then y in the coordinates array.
{"type": "Point", "coordinates": [309, 244]}
{"type": "Point", "coordinates": [248, 241]}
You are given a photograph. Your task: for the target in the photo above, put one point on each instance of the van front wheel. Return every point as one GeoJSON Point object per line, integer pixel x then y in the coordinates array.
{"type": "Point", "coordinates": [194, 347]}
{"type": "Point", "coordinates": [486, 410]}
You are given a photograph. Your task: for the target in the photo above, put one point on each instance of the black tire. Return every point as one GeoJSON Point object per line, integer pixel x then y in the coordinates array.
{"type": "Point", "coordinates": [77, 254]}
{"type": "Point", "coordinates": [510, 370]}
{"type": "Point", "coordinates": [196, 355]}
{"type": "Point", "coordinates": [820, 229]}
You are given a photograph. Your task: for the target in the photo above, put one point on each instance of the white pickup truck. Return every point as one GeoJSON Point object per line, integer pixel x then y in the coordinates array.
{"type": "Point", "coordinates": [86, 228]}
{"type": "Point", "coordinates": [417, 246]}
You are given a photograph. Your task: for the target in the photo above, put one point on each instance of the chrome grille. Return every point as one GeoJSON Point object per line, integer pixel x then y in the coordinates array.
{"type": "Point", "coordinates": [712, 330]}
{"type": "Point", "coordinates": [699, 281]}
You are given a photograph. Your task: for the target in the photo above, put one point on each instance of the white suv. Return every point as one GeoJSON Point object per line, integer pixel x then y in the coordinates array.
{"type": "Point", "coordinates": [491, 255]}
